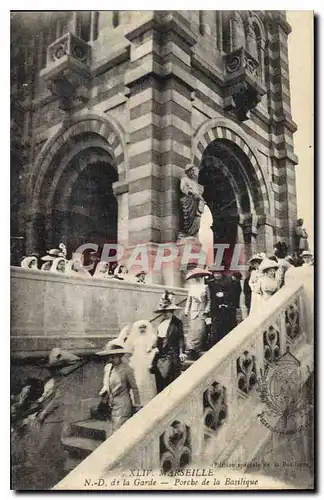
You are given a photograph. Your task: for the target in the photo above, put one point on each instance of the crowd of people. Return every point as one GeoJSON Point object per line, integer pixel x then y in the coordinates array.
{"type": "Point", "coordinates": [55, 261]}
{"type": "Point", "coordinates": [143, 360]}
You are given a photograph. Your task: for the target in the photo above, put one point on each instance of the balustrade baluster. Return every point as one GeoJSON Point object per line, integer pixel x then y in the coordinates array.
{"type": "Point", "coordinates": [283, 332]}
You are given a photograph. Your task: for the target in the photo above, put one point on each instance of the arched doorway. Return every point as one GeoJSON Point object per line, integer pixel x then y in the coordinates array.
{"type": "Point", "coordinates": [70, 191]}
{"type": "Point", "coordinates": [231, 191]}
{"type": "Point", "coordinates": [76, 202]}
{"type": "Point", "coordinates": [91, 215]}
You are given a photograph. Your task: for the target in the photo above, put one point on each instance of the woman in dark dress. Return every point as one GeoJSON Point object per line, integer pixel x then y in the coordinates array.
{"type": "Point", "coordinates": [166, 364]}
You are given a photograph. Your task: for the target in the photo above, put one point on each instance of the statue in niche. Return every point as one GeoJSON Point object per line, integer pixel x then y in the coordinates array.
{"type": "Point", "coordinates": [191, 201]}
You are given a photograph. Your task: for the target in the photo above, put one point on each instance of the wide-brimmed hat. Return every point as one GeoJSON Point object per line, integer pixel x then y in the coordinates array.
{"type": "Point", "coordinates": [166, 303]}
{"type": "Point", "coordinates": [189, 167]}
{"type": "Point", "coordinates": [111, 348]}
{"type": "Point", "coordinates": [48, 257]}
{"type": "Point", "coordinates": [140, 273]}
{"type": "Point", "coordinates": [60, 358]}
{"type": "Point", "coordinates": [306, 253]}
{"type": "Point", "coordinates": [255, 257]}
{"type": "Point", "coordinates": [56, 252]}
{"type": "Point", "coordinates": [268, 264]}
{"type": "Point", "coordinates": [199, 272]}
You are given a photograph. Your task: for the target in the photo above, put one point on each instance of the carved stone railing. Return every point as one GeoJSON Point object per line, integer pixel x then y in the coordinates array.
{"type": "Point", "coordinates": [244, 84]}
{"type": "Point", "coordinates": [211, 411]}
{"type": "Point", "coordinates": [67, 70]}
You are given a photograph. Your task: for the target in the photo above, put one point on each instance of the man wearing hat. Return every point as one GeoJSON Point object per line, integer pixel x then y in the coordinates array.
{"type": "Point", "coordinates": [166, 364]}
{"type": "Point", "coordinates": [222, 291]}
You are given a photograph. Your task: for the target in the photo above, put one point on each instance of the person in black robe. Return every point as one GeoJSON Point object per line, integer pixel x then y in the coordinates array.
{"type": "Point", "coordinates": [222, 293]}
{"type": "Point", "coordinates": [166, 364]}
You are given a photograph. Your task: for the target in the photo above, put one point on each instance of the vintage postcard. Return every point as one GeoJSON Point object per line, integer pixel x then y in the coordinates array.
{"type": "Point", "coordinates": [162, 250]}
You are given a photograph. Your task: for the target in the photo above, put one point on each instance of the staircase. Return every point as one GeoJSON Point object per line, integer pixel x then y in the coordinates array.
{"type": "Point", "coordinates": [84, 438]}
{"type": "Point", "coordinates": [212, 408]}
{"type": "Point", "coordinates": [87, 435]}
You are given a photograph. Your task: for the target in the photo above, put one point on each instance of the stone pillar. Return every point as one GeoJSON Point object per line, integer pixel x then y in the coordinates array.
{"type": "Point", "coordinates": [265, 240]}
{"type": "Point", "coordinates": [282, 127]}
{"type": "Point", "coordinates": [144, 103]}
{"type": "Point", "coordinates": [160, 83]}
{"type": "Point", "coordinates": [121, 192]}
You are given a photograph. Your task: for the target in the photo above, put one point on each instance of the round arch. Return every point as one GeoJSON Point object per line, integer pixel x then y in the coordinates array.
{"type": "Point", "coordinates": [215, 129]}
{"type": "Point", "coordinates": [93, 123]}
{"type": "Point", "coordinates": [87, 140]}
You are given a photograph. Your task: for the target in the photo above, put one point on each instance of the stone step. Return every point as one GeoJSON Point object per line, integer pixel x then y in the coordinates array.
{"type": "Point", "coordinates": [79, 447]}
{"type": "Point", "coordinates": [93, 429]}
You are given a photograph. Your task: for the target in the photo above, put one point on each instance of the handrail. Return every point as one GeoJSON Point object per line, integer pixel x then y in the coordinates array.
{"type": "Point", "coordinates": [139, 434]}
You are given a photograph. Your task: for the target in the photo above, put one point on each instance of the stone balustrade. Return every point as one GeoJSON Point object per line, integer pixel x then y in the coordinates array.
{"type": "Point", "coordinates": [50, 309]}
{"type": "Point", "coordinates": [210, 413]}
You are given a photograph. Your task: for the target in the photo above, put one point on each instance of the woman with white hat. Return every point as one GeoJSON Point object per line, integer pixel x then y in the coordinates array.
{"type": "Point", "coordinates": [308, 258]}
{"type": "Point", "coordinates": [29, 262]}
{"type": "Point", "coordinates": [140, 344]}
{"type": "Point", "coordinates": [49, 258]}
{"type": "Point", "coordinates": [101, 270]}
{"type": "Point", "coordinates": [118, 382]}
{"type": "Point", "coordinates": [58, 265]}
{"type": "Point", "coordinates": [254, 282]}
{"type": "Point", "coordinates": [268, 280]}
{"type": "Point", "coordinates": [197, 309]}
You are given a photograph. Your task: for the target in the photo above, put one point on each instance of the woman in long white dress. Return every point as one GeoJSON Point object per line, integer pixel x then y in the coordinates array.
{"type": "Point", "coordinates": [197, 308]}
{"type": "Point", "coordinates": [268, 280]}
{"type": "Point", "coordinates": [140, 343]}
{"type": "Point", "coordinates": [254, 283]}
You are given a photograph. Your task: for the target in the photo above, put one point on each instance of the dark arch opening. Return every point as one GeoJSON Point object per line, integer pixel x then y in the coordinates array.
{"type": "Point", "coordinates": [230, 186]}
{"type": "Point", "coordinates": [91, 209]}
{"type": "Point", "coordinates": [82, 207]}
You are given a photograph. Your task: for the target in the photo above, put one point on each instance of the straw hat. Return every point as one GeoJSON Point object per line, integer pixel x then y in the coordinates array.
{"type": "Point", "coordinates": [111, 348]}
{"type": "Point", "coordinates": [166, 303]}
{"type": "Point", "coordinates": [59, 358]}
{"type": "Point", "coordinates": [268, 264]}
{"type": "Point", "coordinates": [48, 257]}
{"type": "Point", "coordinates": [255, 257]}
{"type": "Point", "coordinates": [199, 272]}
{"type": "Point", "coordinates": [306, 253]}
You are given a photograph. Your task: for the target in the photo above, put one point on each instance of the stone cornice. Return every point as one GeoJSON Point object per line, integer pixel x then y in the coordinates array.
{"type": "Point", "coordinates": [114, 57]}
{"type": "Point", "coordinates": [285, 120]}
{"type": "Point", "coordinates": [120, 187]}
{"type": "Point", "coordinates": [209, 69]}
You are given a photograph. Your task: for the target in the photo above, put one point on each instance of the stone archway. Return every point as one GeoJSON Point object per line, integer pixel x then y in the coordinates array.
{"type": "Point", "coordinates": [234, 195]}
{"type": "Point", "coordinates": [72, 181]}
{"type": "Point", "coordinates": [220, 128]}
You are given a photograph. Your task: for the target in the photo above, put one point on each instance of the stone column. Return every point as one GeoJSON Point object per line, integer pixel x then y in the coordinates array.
{"type": "Point", "coordinates": [160, 86]}
{"type": "Point", "coordinates": [282, 127]}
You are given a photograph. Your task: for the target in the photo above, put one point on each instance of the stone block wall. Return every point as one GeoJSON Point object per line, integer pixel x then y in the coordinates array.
{"type": "Point", "coordinates": [158, 78]}
{"type": "Point", "coordinates": [50, 310]}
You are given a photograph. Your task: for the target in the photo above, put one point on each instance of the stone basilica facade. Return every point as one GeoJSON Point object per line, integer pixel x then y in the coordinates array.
{"type": "Point", "coordinates": [109, 107]}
